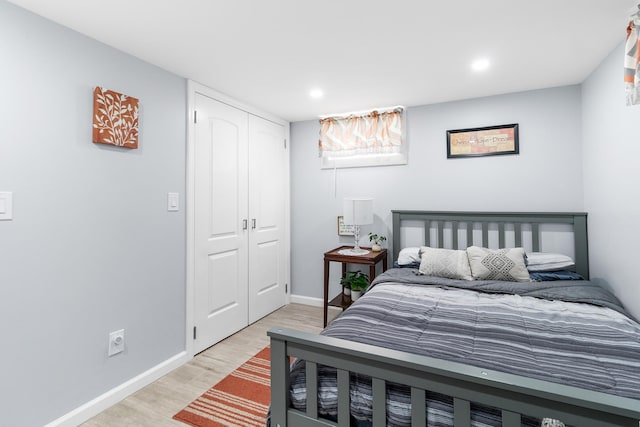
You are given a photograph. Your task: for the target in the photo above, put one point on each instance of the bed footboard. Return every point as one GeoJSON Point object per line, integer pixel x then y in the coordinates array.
{"type": "Point", "coordinates": [514, 395]}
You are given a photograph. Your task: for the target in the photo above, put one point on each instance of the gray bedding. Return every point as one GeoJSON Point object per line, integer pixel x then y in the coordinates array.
{"type": "Point", "coordinates": [572, 332]}
{"type": "Point", "coordinates": [581, 291]}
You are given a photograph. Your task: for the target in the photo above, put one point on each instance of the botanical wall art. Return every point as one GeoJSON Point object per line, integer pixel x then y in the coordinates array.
{"type": "Point", "coordinates": [115, 118]}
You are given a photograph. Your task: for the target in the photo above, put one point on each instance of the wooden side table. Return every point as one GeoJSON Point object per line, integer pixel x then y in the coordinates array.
{"type": "Point", "coordinates": [370, 259]}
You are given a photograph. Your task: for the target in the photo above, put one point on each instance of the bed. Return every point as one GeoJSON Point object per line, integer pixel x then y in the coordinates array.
{"type": "Point", "coordinates": [422, 350]}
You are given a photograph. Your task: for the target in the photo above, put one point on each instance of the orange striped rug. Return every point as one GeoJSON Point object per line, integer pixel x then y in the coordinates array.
{"type": "Point", "coordinates": [242, 398]}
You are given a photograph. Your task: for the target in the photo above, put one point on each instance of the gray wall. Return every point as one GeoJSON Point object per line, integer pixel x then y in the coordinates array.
{"type": "Point", "coordinates": [546, 176]}
{"type": "Point", "coordinates": [92, 248]}
{"type": "Point", "coordinates": [611, 175]}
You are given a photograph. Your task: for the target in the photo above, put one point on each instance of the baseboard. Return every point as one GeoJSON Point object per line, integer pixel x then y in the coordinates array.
{"type": "Point", "coordinates": [301, 299]}
{"type": "Point", "coordinates": [312, 301]}
{"type": "Point", "coordinates": [115, 395]}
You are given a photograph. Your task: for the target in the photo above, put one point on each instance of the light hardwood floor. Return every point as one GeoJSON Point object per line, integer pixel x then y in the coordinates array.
{"type": "Point", "coordinates": [154, 405]}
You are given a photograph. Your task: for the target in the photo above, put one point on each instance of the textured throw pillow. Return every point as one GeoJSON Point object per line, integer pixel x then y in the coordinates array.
{"type": "Point", "coordinates": [449, 263]}
{"type": "Point", "coordinates": [499, 264]}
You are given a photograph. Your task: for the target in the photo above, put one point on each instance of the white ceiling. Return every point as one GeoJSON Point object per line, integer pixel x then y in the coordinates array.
{"type": "Point", "coordinates": [361, 53]}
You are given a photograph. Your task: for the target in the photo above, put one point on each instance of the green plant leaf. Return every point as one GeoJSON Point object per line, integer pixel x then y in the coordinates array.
{"type": "Point", "coordinates": [356, 280]}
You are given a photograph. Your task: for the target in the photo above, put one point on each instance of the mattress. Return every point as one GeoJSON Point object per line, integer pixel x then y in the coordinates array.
{"type": "Point", "coordinates": [569, 332]}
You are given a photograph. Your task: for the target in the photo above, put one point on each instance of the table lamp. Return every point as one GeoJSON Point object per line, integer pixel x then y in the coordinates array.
{"type": "Point", "coordinates": [357, 212]}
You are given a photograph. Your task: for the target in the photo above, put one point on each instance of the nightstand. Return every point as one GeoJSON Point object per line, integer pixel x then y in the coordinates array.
{"type": "Point", "coordinates": [371, 259]}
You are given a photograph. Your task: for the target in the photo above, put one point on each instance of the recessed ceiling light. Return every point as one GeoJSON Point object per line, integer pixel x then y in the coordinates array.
{"type": "Point", "coordinates": [480, 64]}
{"type": "Point", "coordinates": [316, 93]}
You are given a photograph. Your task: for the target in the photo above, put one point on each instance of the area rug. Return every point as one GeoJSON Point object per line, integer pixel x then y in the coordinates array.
{"type": "Point", "coordinates": [240, 399]}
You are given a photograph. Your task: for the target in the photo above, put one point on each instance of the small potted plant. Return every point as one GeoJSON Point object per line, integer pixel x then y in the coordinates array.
{"type": "Point", "coordinates": [377, 241]}
{"type": "Point", "coordinates": [357, 281]}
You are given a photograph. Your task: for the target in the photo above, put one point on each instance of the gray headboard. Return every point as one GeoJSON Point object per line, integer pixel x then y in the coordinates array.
{"type": "Point", "coordinates": [520, 222]}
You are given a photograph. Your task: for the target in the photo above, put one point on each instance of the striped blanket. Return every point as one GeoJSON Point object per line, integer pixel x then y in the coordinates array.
{"type": "Point", "coordinates": [588, 344]}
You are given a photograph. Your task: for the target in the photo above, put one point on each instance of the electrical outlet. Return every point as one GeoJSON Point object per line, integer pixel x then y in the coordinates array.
{"type": "Point", "coordinates": [116, 342]}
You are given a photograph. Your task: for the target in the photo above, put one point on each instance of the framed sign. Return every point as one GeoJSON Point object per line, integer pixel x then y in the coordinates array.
{"type": "Point", "coordinates": [487, 141]}
{"type": "Point", "coordinates": [344, 230]}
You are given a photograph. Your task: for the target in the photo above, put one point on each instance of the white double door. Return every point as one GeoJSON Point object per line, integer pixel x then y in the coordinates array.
{"type": "Point", "coordinates": [239, 219]}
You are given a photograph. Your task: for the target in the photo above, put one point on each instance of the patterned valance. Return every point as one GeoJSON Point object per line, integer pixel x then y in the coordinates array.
{"type": "Point", "coordinates": [375, 132]}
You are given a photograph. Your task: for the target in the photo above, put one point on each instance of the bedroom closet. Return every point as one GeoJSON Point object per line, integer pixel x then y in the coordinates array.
{"type": "Point", "coordinates": [240, 198]}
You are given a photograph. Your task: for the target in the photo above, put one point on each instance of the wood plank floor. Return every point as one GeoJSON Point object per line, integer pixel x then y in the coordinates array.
{"type": "Point", "coordinates": [154, 405]}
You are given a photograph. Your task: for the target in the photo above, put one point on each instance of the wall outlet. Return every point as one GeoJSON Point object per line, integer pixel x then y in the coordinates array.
{"type": "Point", "coordinates": [116, 342]}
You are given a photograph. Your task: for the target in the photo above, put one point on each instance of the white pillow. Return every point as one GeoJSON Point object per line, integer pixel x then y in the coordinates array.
{"type": "Point", "coordinates": [409, 256]}
{"type": "Point", "coordinates": [449, 263]}
{"type": "Point", "coordinates": [499, 264]}
{"type": "Point", "coordinates": [544, 261]}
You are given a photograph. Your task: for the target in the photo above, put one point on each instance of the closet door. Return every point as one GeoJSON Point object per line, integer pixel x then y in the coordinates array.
{"type": "Point", "coordinates": [221, 205]}
{"type": "Point", "coordinates": [267, 211]}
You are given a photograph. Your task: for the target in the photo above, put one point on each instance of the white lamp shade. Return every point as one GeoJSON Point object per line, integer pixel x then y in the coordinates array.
{"type": "Point", "coordinates": [358, 211]}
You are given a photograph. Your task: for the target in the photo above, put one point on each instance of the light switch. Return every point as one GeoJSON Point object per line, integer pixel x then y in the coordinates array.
{"type": "Point", "coordinates": [6, 209]}
{"type": "Point", "coordinates": [173, 202]}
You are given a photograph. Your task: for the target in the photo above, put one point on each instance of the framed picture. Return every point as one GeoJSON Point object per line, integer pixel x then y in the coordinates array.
{"type": "Point", "coordinates": [344, 230]}
{"type": "Point", "coordinates": [487, 141]}
{"type": "Point", "coordinates": [115, 118]}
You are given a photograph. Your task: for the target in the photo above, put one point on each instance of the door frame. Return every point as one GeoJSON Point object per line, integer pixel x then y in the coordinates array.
{"type": "Point", "coordinates": [194, 88]}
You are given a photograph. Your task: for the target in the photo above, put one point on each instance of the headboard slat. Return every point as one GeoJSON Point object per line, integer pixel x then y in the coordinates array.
{"type": "Point", "coordinates": [454, 230]}
{"type": "Point", "coordinates": [535, 237]}
{"type": "Point", "coordinates": [581, 245]}
{"type": "Point", "coordinates": [485, 234]}
{"type": "Point", "coordinates": [518, 232]}
{"type": "Point", "coordinates": [427, 232]}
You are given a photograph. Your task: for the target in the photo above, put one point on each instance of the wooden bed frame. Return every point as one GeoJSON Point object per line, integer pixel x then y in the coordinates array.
{"type": "Point", "coordinates": [513, 394]}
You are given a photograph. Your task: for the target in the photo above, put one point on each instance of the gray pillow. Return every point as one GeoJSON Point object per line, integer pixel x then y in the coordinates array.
{"type": "Point", "coordinates": [498, 264]}
{"type": "Point", "coordinates": [449, 263]}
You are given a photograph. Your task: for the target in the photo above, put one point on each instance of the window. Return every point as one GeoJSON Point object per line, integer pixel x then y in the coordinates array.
{"type": "Point", "coordinates": [374, 138]}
